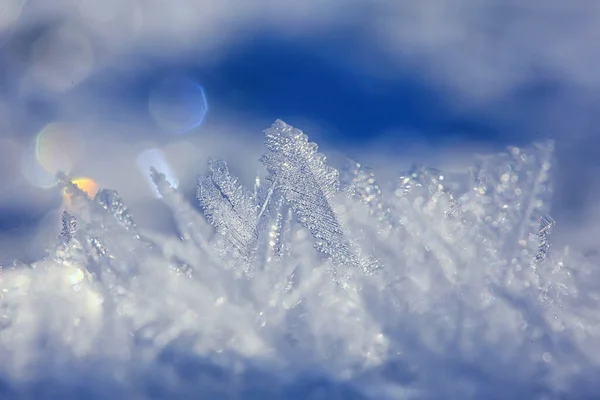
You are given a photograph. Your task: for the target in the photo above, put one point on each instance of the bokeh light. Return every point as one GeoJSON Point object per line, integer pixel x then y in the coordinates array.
{"type": "Point", "coordinates": [33, 171]}
{"type": "Point", "coordinates": [57, 146]}
{"type": "Point", "coordinates": [88, 185]}
{"type": "Point", "coordinates": [155, 158]}
{"type": "Point", "coordinates": [178, 104]}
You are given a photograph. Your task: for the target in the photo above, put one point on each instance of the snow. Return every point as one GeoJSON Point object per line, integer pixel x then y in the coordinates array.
{"type": "Point", "coordinates": [273, 294]}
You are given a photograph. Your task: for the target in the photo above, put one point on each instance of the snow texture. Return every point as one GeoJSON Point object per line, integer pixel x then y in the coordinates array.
{"type": "Point", "coordinates": [313, 284]}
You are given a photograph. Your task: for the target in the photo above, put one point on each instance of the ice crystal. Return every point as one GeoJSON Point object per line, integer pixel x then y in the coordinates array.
{"type": "Point", "coordinates": [546, 225]}
{"type": "Point", "coordinates": [231, 209]}
{"type": "Point", "coordinates": [112, 202]}
{"type": "Point", "coordinates": [432, 286]}
{"type": "Point", "coordinates": [69, 226]}
{"type": "Point", "coordinates": [310, 187]}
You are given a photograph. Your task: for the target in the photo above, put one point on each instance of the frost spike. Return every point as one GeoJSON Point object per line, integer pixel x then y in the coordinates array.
{"type": "Point", "coordinates": [309, 186]}
{"type": "Point", "coordinates": [69, 226]}
{"type": "Point", "coordinates": [112, 202]}
{"type": "Point", "coordinates": [546, 225]}
{"type": "Point", "coordinates": [190, 224]}
{"type": "Point", "coordinates": [231, 209]}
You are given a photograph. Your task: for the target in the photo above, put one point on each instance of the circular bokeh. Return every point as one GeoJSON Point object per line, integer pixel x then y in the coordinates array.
{"type": "Point", "coordinates": [178, 104]}
{"type": "Point", "coordinates": [56, 147]}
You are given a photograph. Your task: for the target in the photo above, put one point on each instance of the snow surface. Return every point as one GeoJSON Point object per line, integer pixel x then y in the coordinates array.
{"type": "Point", "coordinates": [317, 283]}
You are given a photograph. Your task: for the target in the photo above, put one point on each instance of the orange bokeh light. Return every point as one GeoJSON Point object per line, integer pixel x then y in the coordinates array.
{"type": "Point", "coordinates": [85, 184]}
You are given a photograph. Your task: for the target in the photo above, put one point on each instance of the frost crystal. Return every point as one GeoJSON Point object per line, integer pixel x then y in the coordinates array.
{"type": "Point", "coordinates": [69, 225]}
{"type": "Point", "coordinates": [112, 202]}
{"type": "Point", "coordinates": [231, 209]}
{"type": "Point", "coordinates": [546, 225]}
{"type": "Point", "coordinates": [310, 187]}
{"type": "Point", "coordinates": [470, 303]}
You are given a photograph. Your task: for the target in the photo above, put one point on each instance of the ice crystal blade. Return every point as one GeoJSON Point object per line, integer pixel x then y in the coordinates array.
{"type": "Point", "coordinates": [112, 202]}
{"type": "Point", "coordinates": [310, 186]}
{"type": "Point", "coordinates": [193, 248]}
{"type": "Point", "coordinates": [69, 226]}
{"type": "Point", "coordinates": [546, 225]}
{"type": "Point", "coordinates": [191, 225]}
{"type": "Point", "coordinates": [280, 227]}
{"type": "Point", "coordinates": [231, 209]}
{"type": "Point", "coordinates": [69, 251]}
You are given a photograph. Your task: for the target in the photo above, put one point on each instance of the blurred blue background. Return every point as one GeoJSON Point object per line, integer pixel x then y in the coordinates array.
{"type": "Point", "coordinates": [92, 87]}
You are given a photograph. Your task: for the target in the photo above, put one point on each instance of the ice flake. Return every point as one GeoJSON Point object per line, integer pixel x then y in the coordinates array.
{"type": "Point", "coordinates": [69, 226]}
{"type": "Point", "coordinates": [112, 202]}
{"type": "Point", "coordinates": [191, 225]}
{"type": "Point", "coordinates": [309, 186]}
{"type": "Point", "coordinates": [546, 225]}
{"type": "Point", "coordinates": [231, 209]}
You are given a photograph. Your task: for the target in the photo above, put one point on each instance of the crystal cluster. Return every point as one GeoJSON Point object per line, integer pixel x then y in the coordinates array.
{"type": "Point", "coordinates": [316, 282]}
